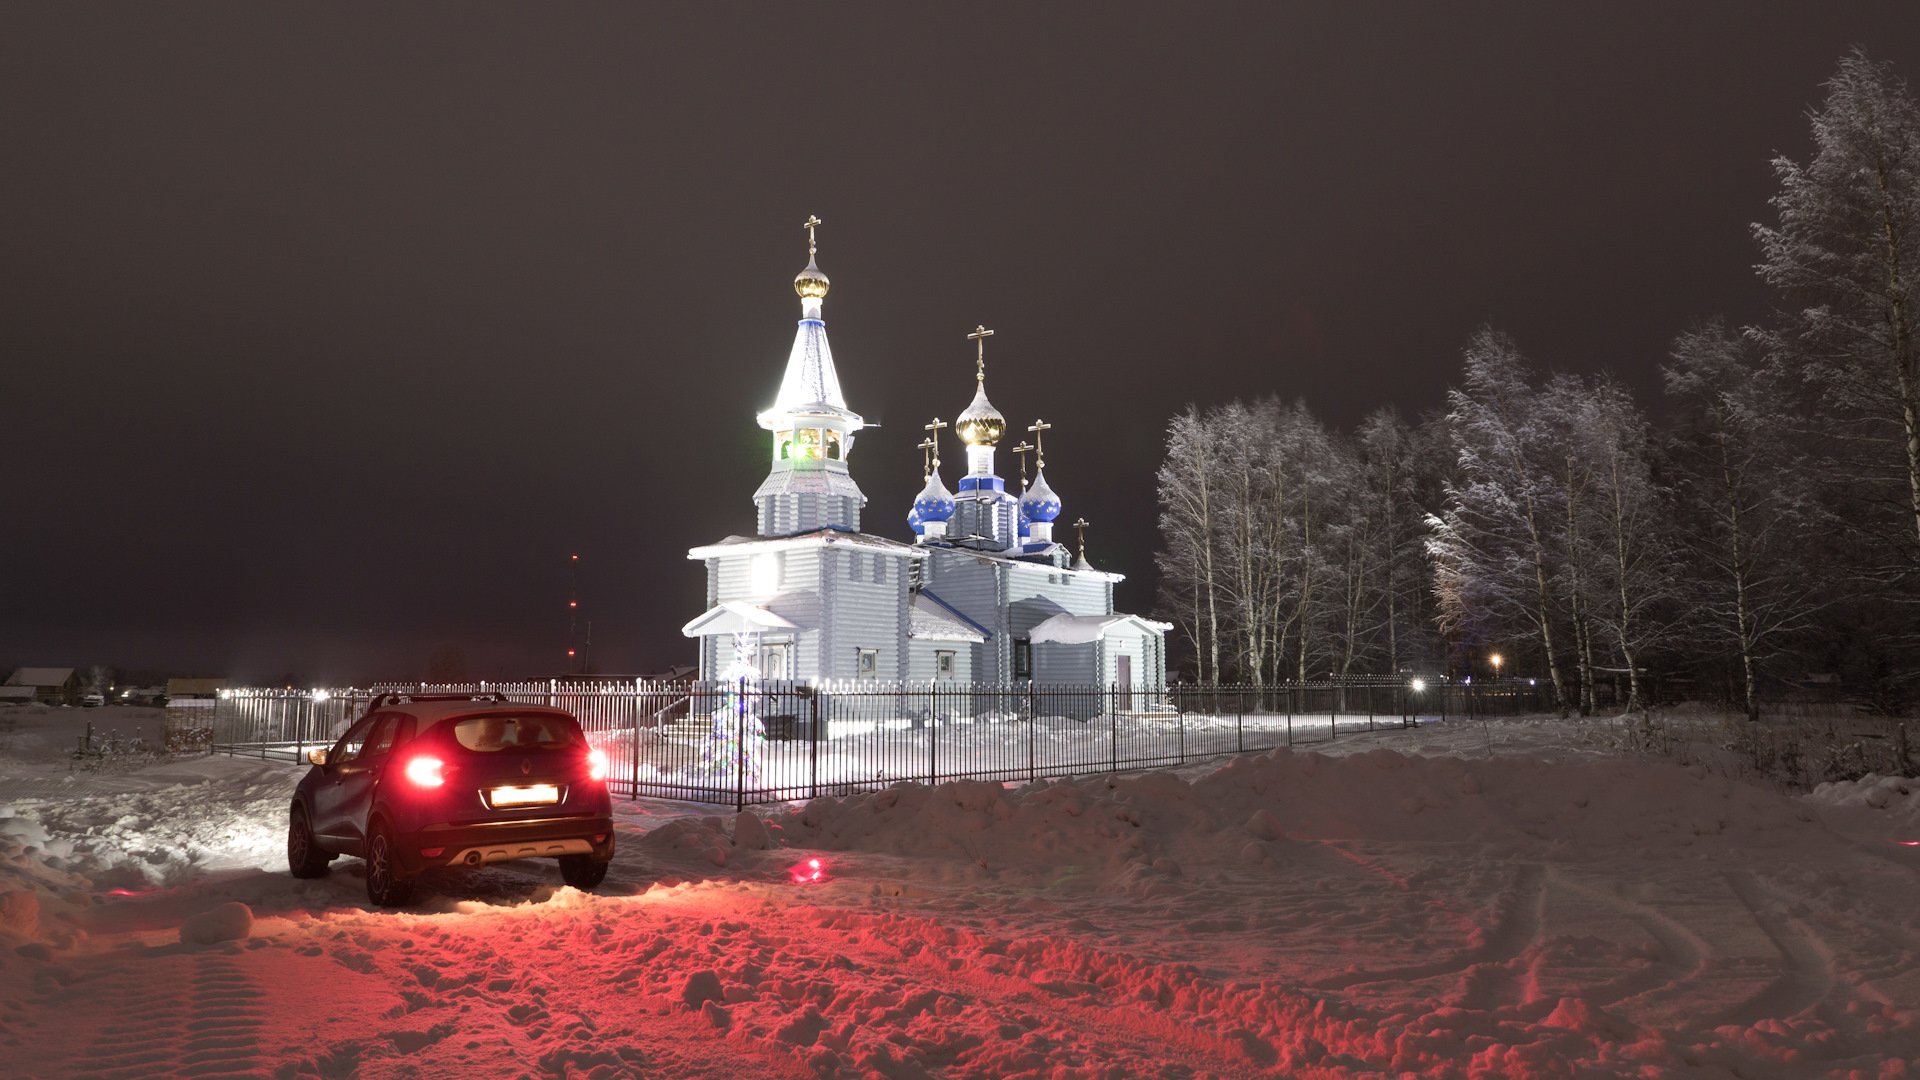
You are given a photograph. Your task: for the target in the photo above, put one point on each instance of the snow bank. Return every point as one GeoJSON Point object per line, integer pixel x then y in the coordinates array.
{"type": "Point", "coordinates": [1258, 804]}
{"type": "Point", "coordinates": [1899, 796]}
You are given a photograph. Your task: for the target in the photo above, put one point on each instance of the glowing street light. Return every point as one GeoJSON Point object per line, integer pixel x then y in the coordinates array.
{"type": "Point", "coordinates": [1495, 661]}
{"type": "Point", "coordinates": [1419, 686]}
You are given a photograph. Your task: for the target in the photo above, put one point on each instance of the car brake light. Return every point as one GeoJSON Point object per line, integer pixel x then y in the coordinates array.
{"type": "Point", "coordinates": [432, 852]}
{"type": "Point", "coordinates": [597, 764]}
{"type": "Point", "coordinates": [425, 771]}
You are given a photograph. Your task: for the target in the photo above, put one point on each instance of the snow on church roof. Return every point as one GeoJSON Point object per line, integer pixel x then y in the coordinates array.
{"type": "Point", "coordinates": [930, 619]}
{"type": "Point", "coordinates": [1081, 629]}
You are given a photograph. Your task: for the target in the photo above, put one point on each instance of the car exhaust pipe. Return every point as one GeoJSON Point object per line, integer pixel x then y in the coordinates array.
{"type": "Point", "coordinates": [473, 858]}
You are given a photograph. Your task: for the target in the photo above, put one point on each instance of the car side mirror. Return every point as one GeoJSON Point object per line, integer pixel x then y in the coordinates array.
{"type": "Point", "coordinates": [318, 757]}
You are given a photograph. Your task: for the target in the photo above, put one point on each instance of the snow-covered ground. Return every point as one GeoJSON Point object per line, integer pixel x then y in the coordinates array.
{"type": "Point", "coordinates": [1470, 899]}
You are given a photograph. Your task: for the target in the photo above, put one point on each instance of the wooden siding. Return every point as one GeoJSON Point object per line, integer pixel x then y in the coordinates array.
{"type": "Point", "coordinates": [866, 615]}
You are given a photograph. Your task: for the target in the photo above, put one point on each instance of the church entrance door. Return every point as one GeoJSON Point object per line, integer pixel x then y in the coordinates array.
{"type": "Point", "coordinates": [1123, 675]}
{"type": "Point", "coordinates": [774, 662]}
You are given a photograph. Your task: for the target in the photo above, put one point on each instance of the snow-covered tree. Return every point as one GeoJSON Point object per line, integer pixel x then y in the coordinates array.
{"type": "Point", "coordinates": [1845, 257]}
{"type": "Point", "coordinates": [1493, 546]}
{"type": "Point", "coordinates": [1747, 504]}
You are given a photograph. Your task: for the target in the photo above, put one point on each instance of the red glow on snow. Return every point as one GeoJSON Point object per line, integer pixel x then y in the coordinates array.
{"type": "Point", "coordinates": [130, 892]}
{"type": "Point", "coordinates": [1908, 843]}
{"type": "Point", "coordinates": [810, 872]}
{"type": "Point", "coordinates": [425, 771]}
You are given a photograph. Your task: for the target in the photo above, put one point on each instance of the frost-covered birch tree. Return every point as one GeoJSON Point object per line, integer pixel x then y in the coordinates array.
{"type": "Point", "coordinates": [1492, 545]}
{"type": "Point", "coordinates": [1845, 257]}
{"type": "Point", "coordinates": [1746, 506]}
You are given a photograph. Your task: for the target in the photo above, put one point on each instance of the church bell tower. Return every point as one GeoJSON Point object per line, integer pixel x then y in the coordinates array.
{"type": "Point", "coordinates": [808, 486]}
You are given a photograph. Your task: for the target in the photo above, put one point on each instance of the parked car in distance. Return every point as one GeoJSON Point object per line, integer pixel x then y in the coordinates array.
{"type": "Point", "coordinates": [439, 780]}
{"type": "Point", "coordinates": [92, 701]}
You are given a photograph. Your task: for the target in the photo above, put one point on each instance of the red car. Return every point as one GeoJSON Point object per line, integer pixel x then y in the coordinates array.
{"type": "Point", "coordinates": [437, 780]}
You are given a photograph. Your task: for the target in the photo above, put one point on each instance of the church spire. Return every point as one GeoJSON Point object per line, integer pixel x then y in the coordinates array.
{"type": "Point", "coordinates": [809, 486]}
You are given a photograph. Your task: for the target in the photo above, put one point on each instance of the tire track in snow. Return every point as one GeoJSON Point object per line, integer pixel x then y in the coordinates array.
{"type": "Point", "coordinates": [1683, 956]}
{"type": "Point", "coordinates": [164, 1014]}
{"type": "Point", "coordinates": [222, 1025]}
{"type": "Point", "coordinates": [138, 1012]}
{"type": "Point", "coordinates": [1806, 972]}
{"type": "Point", "coordinates": [1517, 927]}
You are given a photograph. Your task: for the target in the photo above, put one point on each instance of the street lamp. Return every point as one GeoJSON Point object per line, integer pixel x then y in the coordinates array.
{"type": "Point", "coordinates": [1495, 661]}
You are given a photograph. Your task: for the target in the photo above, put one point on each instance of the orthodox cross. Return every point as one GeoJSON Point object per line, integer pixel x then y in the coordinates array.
{"type": "Point", "coordinates": [933, 435]}
{"type": "Point", "coordinates": [1081, 527]}
{"type": "Point", "coordinates": [1023, 450]}
{"type": "Point", "coordinates": [1039, 448]}
{"type": "Point", "coordinates": [980, 335]}
{"type": "Point", "coordinates": [812, 224]}
{"type": "Point", "coordinates": [926, 458]}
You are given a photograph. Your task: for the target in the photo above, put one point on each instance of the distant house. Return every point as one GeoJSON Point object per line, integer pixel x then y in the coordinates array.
{"type": "Point", "coordinates": [51, 685]}
{"type": "Point", "coordinates": [189, 693]}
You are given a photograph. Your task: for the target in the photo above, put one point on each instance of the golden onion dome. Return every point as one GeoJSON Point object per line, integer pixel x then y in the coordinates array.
{"type": "Point", "coordinates": [980, 424]}
{"type": "Point", "coordinates": [811, 284]}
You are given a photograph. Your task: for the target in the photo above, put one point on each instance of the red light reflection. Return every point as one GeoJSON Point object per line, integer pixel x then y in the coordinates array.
{"type": "Point", "coordinates": [811, 872]}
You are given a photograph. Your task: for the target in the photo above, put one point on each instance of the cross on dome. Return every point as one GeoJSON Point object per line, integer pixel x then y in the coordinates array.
{"type": "Point", "coordinates": [980, 335]}
{"type": "Point", "coordinates": [980, 424]}
{"type": "Point", "coordinates": [1039, 446]}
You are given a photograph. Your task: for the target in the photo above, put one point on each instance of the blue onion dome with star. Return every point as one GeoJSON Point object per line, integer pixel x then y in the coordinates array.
{"type": "Point", "coordinates": [1039, 503]}
{"type": "Point", "coordinates": [934, 503]}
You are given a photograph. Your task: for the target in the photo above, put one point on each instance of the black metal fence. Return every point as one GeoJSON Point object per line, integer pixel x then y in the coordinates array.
{"type": "Point", "coordinates": [757, 741]}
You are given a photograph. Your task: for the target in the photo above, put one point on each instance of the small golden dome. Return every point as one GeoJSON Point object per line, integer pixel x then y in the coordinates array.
{"type": "Point", "coordinates": [980, 424]}
{"type": "Point", "coordinates": [811, 284]}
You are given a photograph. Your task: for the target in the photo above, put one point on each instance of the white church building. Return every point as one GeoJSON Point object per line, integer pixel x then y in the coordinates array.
{"type": "Point", "coordinates": [983, 594]}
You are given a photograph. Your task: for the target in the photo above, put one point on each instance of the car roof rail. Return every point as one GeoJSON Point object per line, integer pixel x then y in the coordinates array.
{"type": "Point", "coordinates": [401, 697]}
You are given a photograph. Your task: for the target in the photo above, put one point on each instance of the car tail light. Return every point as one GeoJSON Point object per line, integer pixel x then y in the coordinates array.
{"type": "Point", "coordinates": [432, 852]}
{"type": "Point", "coordinates": [597, 764]}
{"type": "Point", "coordinates": [425, 771]}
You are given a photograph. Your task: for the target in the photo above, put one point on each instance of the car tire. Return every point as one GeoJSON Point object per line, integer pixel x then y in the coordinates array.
{"type": "Point", "coordinates": [305, 859]}
{"type": "Point", "coordinates": [583, 872]}
{"type": "Point", "coordinates": [385, 885]}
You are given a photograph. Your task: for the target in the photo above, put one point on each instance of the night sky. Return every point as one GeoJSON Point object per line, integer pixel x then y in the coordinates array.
{"type": "Point", "coordinates": [329, 334]}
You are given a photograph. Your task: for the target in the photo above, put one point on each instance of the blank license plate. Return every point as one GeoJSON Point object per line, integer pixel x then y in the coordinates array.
{"type": "Point", "coordinates": [532, 795]}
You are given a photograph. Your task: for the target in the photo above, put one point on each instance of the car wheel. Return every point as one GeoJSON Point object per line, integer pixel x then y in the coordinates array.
{"type": "Point", "coordinates": [582, 872]}
{"type": "Point", "coordinates": [385, 886]}
{"type": "Point", "coordinates": [304, 857]}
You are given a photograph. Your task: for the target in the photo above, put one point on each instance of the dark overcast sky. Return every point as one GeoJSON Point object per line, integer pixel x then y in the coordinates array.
{"type": "Point", "coordinates": [328, 333]}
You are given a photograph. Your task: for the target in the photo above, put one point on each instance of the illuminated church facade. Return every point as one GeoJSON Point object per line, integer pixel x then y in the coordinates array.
{"type": "Point", "coordinates": [982, 594]}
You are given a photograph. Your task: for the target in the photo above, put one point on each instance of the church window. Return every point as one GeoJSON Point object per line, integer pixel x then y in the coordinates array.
{"type": "Point", "coordinates": [1022, 659]}
{"type": "Point", "coordinates": [766, 573]}
{"type": "Point", "coordinates": [943, 663]}
{"type": "Point", "coordinates": [867, 663]}
{"type": "Point", "coordinates": [853, 566]}
{"type": "Point", "coordinates": [806, 443]}
{"type": "Point", "coordinates": [833, 445]}
{"type": "Point", "coordinates": [785, 439]}
{"type": "Point", "coordinates": [879, 569]}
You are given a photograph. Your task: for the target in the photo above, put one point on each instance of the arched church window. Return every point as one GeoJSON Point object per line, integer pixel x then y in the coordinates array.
{"type": "Point", "coordinates": [785, 439]}
{"type": "Point", "coordinates": [806, 443]}
{"type": "Point", "coordinates": [833, 445]}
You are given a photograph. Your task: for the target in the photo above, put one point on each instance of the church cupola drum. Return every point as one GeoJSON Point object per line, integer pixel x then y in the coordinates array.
{"type": "Point", "coordinates": [985, 516]}
{"type": "Point", "coordinates": [808, 486]}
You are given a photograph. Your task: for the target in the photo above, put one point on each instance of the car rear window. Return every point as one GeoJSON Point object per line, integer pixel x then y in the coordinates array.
{"type": "Point", "coordinates": [490, 734]}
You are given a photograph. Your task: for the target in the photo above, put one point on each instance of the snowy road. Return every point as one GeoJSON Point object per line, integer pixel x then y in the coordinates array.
{"type": "Point", "coordinates": [1291, 914]}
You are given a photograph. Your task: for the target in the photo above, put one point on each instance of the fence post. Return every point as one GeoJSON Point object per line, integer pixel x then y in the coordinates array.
{"type": "Point", "coordinates": [1183, 738]}
{"type": "Point", "coordinates": [1113, 742]}
{"type": "Point", "coordinates": [634, 791]}
{"type": "Point", "coordinates": [740, 750]}
{"type": "Point", "coordinates": [1033, 723]}
{"type": "Point", "coordinates": [813, 746]}
{"type": "Point", "coordinates": [933, 732]}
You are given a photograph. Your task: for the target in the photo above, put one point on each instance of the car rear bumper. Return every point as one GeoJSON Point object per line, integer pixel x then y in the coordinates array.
{"type": "Point", "coordinates": [477, 844]}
